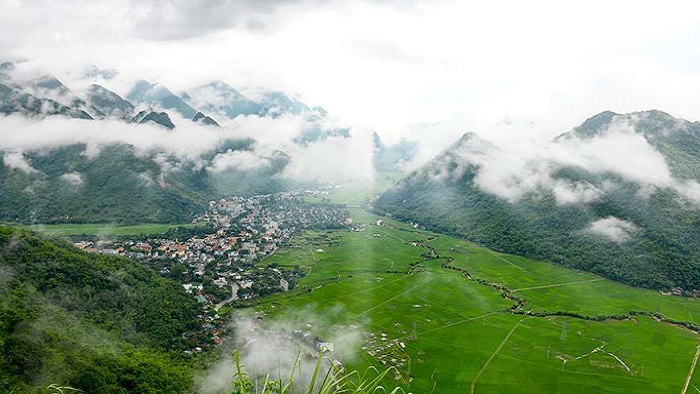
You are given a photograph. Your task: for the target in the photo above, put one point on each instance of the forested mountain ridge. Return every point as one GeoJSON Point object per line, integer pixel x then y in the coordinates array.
{"type": "Point", "coordinates": [602, 216]}
{"type": "Point", "coordinates": [93, 322]}
{"type": "Point", "coordinates": [121, 184]}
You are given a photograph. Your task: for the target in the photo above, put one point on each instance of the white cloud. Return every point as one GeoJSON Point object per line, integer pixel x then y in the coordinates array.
{"type": "Point", "coordinates": [271, 351]}
{"type": "Point", "coordinates": [335, 160]}
{"type": "Point", "coordinates": [73, 178]}
{"type": "Point", "coordinates": [617, 230]}
{"type": "Point", "coordinates": [238, 161]}
{"type": "Point", "coordinates": [516, 165]}
{"type": "Point", "coordinates": [438, 61]}
{"type": "Point", "coordinates": [17, 161]}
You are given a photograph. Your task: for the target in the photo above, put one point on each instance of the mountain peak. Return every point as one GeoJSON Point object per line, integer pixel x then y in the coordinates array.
{"type": "Point", "coordinates": [205, 120]}
{"type": "Point", "coordinates": [278, 103]}
{"type": "Point", "coordinates": [154, 94]}
{"type": "Point", "coordinates": [7, 66]}
{"type": "Point", "coordinates": [377, 141]}
{"type": "Point", "coordinates": [652, 124]}
{"type": "Point", "coordinates": [220, 98]}
{"type": "Point", "coordinates": [108, 102]}
{"type": "Point", "coordinates": [160, 118]}
{"type": "Point", "coordinates": [595, 123]}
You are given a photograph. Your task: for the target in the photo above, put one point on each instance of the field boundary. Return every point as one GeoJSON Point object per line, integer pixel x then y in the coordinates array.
{"type": "Point", "coordinates": [396, 296]}
{"type": "Point", "coordinates": [559, 284]}
{"type": "Point", "coordinates": [692, 370]}
{"type": "Point", "coordinates": [493, 355]}
{"type": "Point", "coordinates": [467, 320]}
{"type": "Point", "coordinates": [498, 256]}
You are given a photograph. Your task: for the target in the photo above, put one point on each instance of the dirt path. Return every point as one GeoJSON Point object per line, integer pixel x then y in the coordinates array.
{"type": "Point", "coordinates": [559, 284]}
{"type": "Point", "coordinates": [493, 355]}
{"type": "Point", "coordinates": [692, 369]}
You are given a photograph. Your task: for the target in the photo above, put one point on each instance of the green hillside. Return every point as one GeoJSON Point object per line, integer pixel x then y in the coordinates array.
{"type": "Point", "coordinates": [662, 252]}
{"type": "Point", "coordinates": [96, 323]}
{"type": "Point", "coordinates": [117, 186]}
{"type": "Point", "coordinates": [123, 185]}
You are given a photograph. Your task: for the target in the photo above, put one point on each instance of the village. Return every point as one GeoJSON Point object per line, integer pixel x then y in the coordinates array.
{"type": "Point", "coordinates": [220, 260]}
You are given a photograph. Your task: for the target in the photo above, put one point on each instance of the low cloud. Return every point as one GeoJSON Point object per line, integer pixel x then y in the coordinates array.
{"type": "Point", "coordinates": [334, 160]}
{"type": "Point", "coordinates": [617, 230]}
{"type": "Point", "coordinates": [516, 166]}
{"type": "Point", "coordinates": [73, 178]}
{"type": "Point", "coordinates": [272, 351]}
{"type": "Point", "coordinates": [238, 161]}
{"type": "Point", "coordinates": [16, 161]}
{"type": "Point", "coordinates": [182, 19]}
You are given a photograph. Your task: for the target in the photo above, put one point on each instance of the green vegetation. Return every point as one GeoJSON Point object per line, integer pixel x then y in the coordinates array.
{"type": "Point", "coordinates": [96, 323]}
{"type": "Point", "coordinates": [662, 252]}
{"type": "Point", "coordinates": [471, 319]}
{"type": "Point", "coordinates": [334, 380]}
{"type": "Point", "coordinates": [100, 229]}
{"type": "Point", "coordinates": [120, 185]}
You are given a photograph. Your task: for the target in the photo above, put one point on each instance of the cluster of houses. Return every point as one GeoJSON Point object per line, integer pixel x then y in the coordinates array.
{"type": "Point", "coordinates": [389, 352]}
{"type": "Point", "coordinates": [223, 265]}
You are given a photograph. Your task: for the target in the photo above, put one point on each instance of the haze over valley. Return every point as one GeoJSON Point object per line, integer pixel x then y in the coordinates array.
{"type": "Point", "coordinates": [321, 196]}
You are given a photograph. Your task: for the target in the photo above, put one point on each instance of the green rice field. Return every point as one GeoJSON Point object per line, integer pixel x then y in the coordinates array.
{"type": "Point", "coordinates": [430, 305]}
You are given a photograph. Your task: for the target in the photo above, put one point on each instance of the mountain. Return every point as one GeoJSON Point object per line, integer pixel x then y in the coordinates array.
{"type": "Point", "coordinates": [315, 132]}
{"type": "Point", "coordinates": [6, 66]}
{"type": "Point", "coordinates": [221, 98]}
{"type": "Point", "coordinates": [595, 217]}
{"type": "Point", "coordinates": [278, 103]}
{"type": "Point", "coordinates": [123, 185]}
{"type": "Point", "coordinates": [49, 87]}
{"type": "Point", "coordinates": [205, 120]}
{"type": "Point", "coordinates": [390, 158]}
{"type": "Point", "coordinates": [16, 101]}
{"type": "Point", "coordinates": [159, 118]}
{"type": "Point", "coordinates": [239, 180]}
{"type": "Point", "coordinates": [119, 185]}
{"type": "Point", "coordinates": [159, 96]}
{"type": "Point", "coordinates": [676, 139]}
{"type": "Point", "coordinates": [96, 323]}
{"type": "Point", "coordinates": [108, 102]}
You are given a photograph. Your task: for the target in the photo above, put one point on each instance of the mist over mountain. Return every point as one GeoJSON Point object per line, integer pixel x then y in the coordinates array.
{"type": "Point", "coordinates": [109, 102]}
{"type": "Point", "coordinates": [617, 196]}
{"type": "Point", "coordinates": [222, 99]}
{"type": "Point", "coordinates": [392, 158]}
{"type": "Point", "coordinates": [159, 118]}
{"type": "Point", "coordinates": [155, 95]}
{"type": "Point", "coordinates": [141, 160]}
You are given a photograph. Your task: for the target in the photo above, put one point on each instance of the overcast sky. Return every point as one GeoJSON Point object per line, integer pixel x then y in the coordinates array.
{"type": "Point", "coordinates": [400, 67]}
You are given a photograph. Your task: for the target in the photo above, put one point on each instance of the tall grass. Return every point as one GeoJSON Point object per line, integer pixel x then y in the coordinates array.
{"type": "Point", "coordinates": [56, 389]}
{"type": "Point", "coordinates": [335, 380]}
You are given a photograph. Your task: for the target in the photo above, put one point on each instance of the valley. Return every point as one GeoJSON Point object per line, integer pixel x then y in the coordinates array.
{"type": "Point", "coordinates": [573, 331]}
{"type": "Point", "coordinates": [445, 314]}
{"type": "Point", "coordinates": [349, 197]}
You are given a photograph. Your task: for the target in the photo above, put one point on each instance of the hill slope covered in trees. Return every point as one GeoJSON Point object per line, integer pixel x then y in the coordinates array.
{"type": "Point", "coordinates": [97, 323]}
{"type": "Point", "coordinates": [617, 196]}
